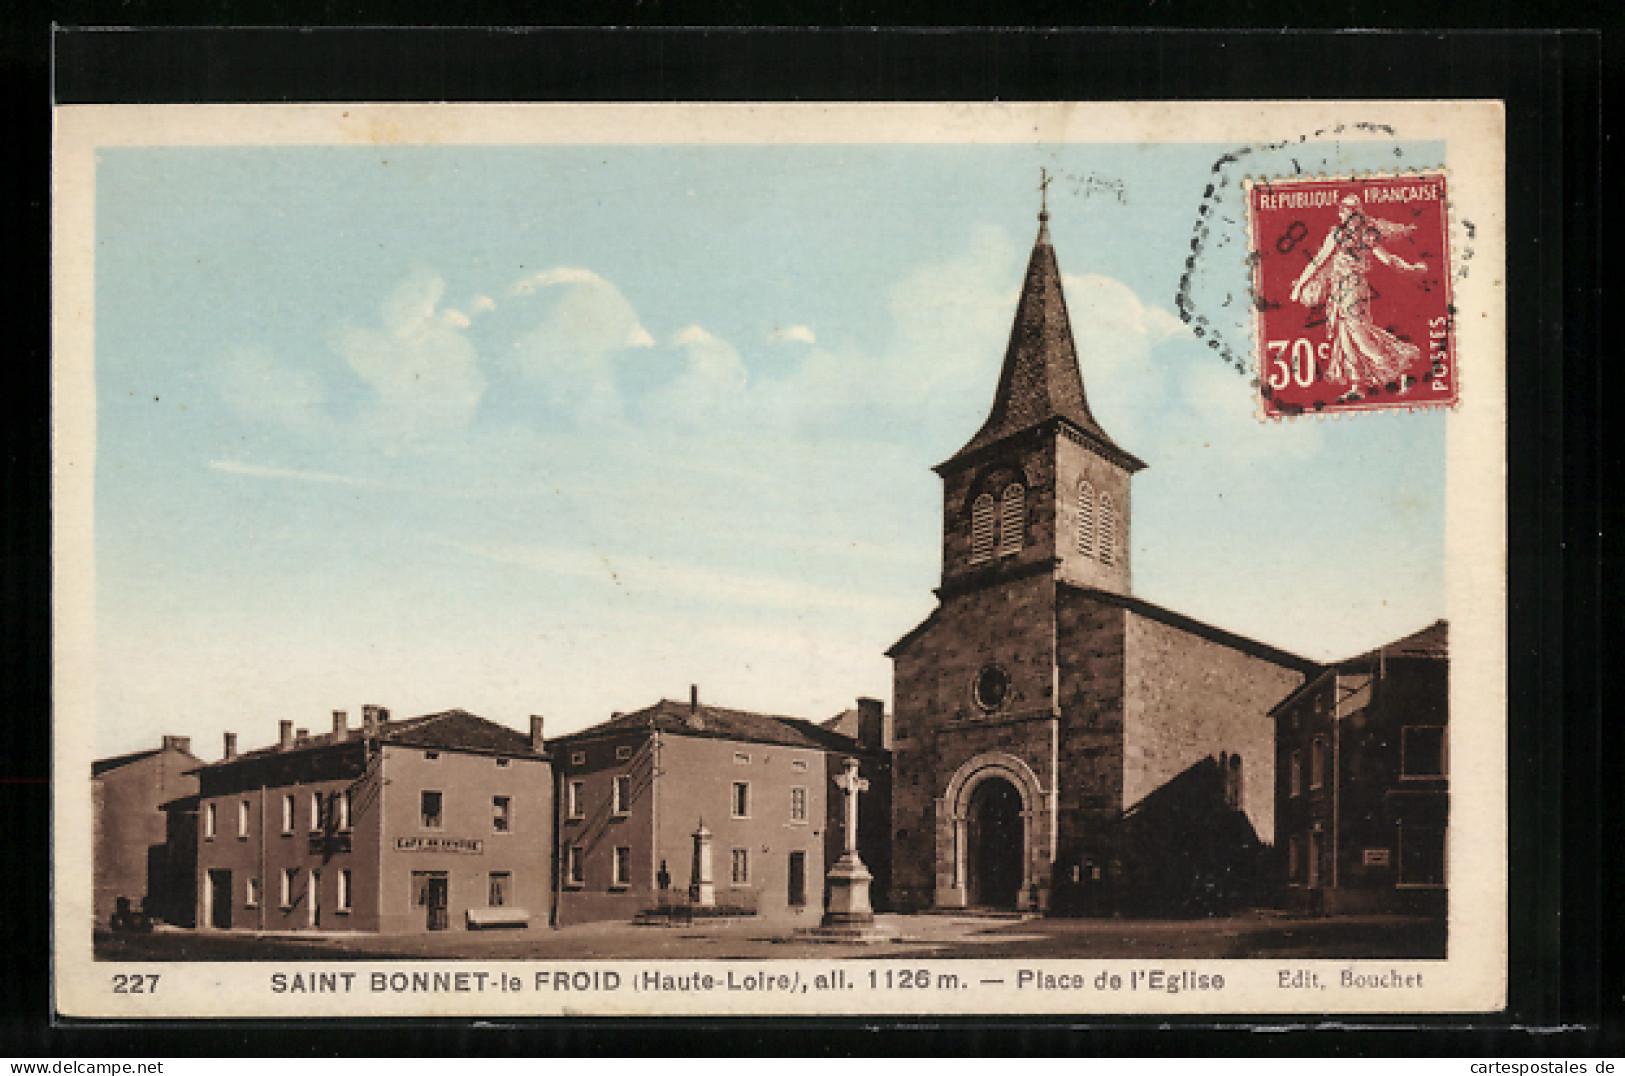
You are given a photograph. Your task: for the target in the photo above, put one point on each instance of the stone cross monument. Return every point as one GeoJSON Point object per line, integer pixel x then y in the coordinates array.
{"type": "Point", "coordinates": [849, 879]}
{"type": "Point", "coordinates": [701, 890]}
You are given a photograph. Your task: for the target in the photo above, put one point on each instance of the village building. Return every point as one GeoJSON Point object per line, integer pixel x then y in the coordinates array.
{"type": "Point", "coordinates": [694, 809]}
{"type": "Point", "coordinates": [401, 826]}
{"type": "Point", "coordinates": [1061, 744]}
{"type": "Point", "coordinates": [138, 873]}
{"type": "Point", "coordinates": [1362, 780]}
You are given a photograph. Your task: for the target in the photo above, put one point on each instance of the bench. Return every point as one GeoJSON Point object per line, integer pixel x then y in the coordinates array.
{"type": "Point", "coordinates": [482, 918]}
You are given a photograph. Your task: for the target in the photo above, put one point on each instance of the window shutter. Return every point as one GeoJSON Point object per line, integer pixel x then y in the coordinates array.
{"type": "Point", "coordinates": [1086, 518]}
{"type": "Point", "coordinates": [981, 529]}
{"type": "Point", "coordinates": [1108, 529]}
{"type": "Point", "coordinates": [1013, 519]}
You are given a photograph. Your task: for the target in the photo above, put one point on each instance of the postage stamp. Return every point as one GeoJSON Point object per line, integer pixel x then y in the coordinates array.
{"type": "Point", "coordinates": [777, 559]}
{"type": "Point", "coordinates": [1329, 338]}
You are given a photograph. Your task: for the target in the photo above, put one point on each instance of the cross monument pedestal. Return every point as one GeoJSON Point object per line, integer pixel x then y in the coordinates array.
{"type": "Point", "coordinates": [849, 917]}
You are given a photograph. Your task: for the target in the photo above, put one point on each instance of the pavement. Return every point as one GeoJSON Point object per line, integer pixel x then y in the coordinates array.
{"type": "Point", "coordinates": [1257, 934]}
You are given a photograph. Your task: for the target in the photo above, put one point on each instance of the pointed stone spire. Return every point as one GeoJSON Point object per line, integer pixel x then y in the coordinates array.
{"type": "Point", "coordinates": [1041, 380]}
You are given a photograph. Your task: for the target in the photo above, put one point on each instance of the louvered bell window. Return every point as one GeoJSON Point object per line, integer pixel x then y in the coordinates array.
{"type": "Point", "coordinates": [983, 524]}
{"type": "Point", "coordinates": [1107, 538]}
{"type": "Point", "coordinates": [1013, 519]}
{"type": "Point", "coordinates": [1086, 518]}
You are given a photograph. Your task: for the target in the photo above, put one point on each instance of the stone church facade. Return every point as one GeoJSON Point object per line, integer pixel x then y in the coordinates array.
{"type": "Point", "coordinates": [1060, 744]}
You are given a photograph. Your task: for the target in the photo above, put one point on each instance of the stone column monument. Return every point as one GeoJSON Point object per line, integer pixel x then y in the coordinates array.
{"type": "Point", "coordinates": [701, 890]}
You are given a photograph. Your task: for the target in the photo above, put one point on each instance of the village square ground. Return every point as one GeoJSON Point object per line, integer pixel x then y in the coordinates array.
{"type": "Point", "coordinates": [1260, 935]}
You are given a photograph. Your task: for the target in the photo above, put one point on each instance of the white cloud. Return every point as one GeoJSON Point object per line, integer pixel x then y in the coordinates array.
{"type": "Point", "coordinates": [456, 319]}
{"type": "Point", "coordinates": [711, 385]}
{"type": "Point", "coordinates": [569, 354]}
{"type": "Point", "coordinates": [254, 470]}
{"type": "Point", "coordinates": [424, 371]}
{"type": "Point", "coordinates": [483, 304]}
{"type": "Point", "coordinates": [547, 278]}
{"type": "Point", "coordinates": [795, 333]}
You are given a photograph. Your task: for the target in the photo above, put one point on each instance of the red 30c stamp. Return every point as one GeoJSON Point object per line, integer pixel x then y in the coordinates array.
{"type": "Point", "coordinates": [1351, 293]}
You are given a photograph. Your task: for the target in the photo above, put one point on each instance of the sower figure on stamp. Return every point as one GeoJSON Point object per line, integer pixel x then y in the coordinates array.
{"type": "Point", "coordinates": [1363, 356]}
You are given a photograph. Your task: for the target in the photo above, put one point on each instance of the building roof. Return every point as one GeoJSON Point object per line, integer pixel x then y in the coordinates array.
{"type": "Point", "coordinates": [1156, 612]}
{"type": "Point", "coordinates": [1430, 643]}
{"type": "Point", "coordinates": [1040, 381]}
{"type": "Point", "coordinates": [103, 765]}
{"type": "Point", "coordinates": [717, 722]}
{"type": "Point", "coordinates": [449, 730]}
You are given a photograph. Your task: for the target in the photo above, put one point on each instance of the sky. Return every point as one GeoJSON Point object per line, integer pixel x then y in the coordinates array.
{"type": "Point", "coordinates": [562, 430]}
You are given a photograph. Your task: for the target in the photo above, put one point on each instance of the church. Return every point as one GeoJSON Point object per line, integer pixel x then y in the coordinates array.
{"type": "Point", "coordinates": [1061, 745]}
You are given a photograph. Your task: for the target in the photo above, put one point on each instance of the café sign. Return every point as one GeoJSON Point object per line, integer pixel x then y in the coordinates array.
{"type": "Point", "coordinates": [472, 846]}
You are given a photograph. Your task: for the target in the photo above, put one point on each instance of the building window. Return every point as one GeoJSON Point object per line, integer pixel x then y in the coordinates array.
{"type": "Point", "coordinates": [287, 813]}
{"type": "Point", "coordinates": [575, 866]}
{"type": "Point", "coordinates": [797, 880]}
{"type": "Point", "coordinates": [432, 756]}
{"type": "Point", "coordinates": [1294, 858]}
{"type": "Point", "coordinates": [1295, 773]}
{"type": "Point", "coordinates": [346, 890]}
{"type": "Point", "coordinates": [991, 688]}
{"type": "Point", "coordinates": [1421, 856]}
{"type": "Point", "coordinates": [621, 794]}
{"type": "Point", "coordinates": [432, 815]}
{"type": "Point", "coordinates": [210, 818]}
{"type": "Point", "coordinates": [253, 898]}
{"type": "Point", "coordinates": [497, 892]}
{"type": "Point", "coordinates": [983, 529]}
{"type": "Point", "coordinates": [1422, 751]}
{"type": "Point", "coordinates": [623, 867]}
{"type": "Point", "coordinates": [242, 821]}
{"type": "Point", "coordinates": [741, 758]}
{"type": "Point", "coordinates": [344, 804]}
{"type": "Point", "coordinates": [1317, 762]}
{"type": "Point", "coordinates": [290, 875]}
{"type": "Point", "coordinates": [1012, 519]}
{"type": "Point", "coordinates": [799, 766]}
{"type": "Point", "coordinates": [502, 762]}
{"type": "Point", "coordinates": [740, 804]}
{"type": "Point", "coordinates": [1086, 518]}
{"type": "Point", "coordinates": [1232, 783]}
{"type": "Point", "coordinates": [1106, 537]}
{"type": "Point", "coordinates": [574, 800]}
{"type": "Point", "coordinates": [578, 758]}
{"type": "Point", "coordinates": [501, 808]}
{"type": "Point", "coordinates": [741, 866]}
{"type": "Point", "coordinates": [798, 805]}
{"type": "Point", "coordinates": [623, 752]}
{"type": "Point", "coordinates": [315, 812]}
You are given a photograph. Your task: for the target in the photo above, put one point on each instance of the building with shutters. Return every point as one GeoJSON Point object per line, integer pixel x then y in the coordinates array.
{"type": "Point", "coordinates": [439, 822]}
{"type": "Point", "coordinates": [694, 809]}
{"type": "Point", "coordinates": [1362, 798]}
{"type": "Point", "coordinates": [1059, 743]}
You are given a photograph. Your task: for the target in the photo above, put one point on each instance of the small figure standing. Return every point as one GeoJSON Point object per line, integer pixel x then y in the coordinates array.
{"type": "Point", "coordinates": [1362, 356]}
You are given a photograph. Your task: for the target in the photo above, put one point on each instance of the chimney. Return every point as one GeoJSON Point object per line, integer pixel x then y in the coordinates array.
{"type": "Point", "coordinates": [693, 719]}
{"type": "Point", "coordinates": [177, 743]}
{"type": "Point", "coordinates": [873, 735]}
{"type": "Point", "coordinates": [371, 717]}
{"type": "Point", "coordinates": [230, 749]}
{"type": "Point", "coordinates": [284, 734]}
{"type": "Point", "coordinates": [341, 725]}
{"type": "Point", "coordinates": [536, 741]}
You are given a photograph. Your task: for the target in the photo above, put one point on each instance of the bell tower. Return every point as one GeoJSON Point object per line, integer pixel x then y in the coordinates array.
{"type": "Point", "coordinates": [1041, 486]}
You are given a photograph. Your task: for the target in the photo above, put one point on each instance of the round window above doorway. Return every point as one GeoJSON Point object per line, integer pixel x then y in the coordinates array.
{"type": "Point", "coordinates": [991, 688]}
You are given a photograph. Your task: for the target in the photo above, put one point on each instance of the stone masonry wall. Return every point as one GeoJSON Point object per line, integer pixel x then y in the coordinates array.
{"type": "Point", "coordinates": [1188, 698]}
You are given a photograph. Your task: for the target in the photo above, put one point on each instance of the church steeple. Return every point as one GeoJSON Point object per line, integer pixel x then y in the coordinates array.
{"type": "Point", "coordinates": [1040, 380]}
{"type": "Point", "coordinates": [1041, 487]}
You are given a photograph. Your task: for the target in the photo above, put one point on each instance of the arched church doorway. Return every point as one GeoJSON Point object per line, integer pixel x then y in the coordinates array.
{"type": "Point", "coordinates": [996, 843]}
